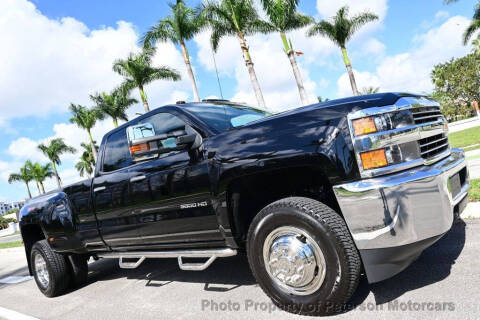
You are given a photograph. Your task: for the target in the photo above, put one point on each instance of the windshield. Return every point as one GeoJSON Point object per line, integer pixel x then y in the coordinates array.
{"type": "Point", "coordinates": [224, 117]}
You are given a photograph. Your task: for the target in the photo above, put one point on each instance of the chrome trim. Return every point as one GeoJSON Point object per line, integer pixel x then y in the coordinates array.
{"type": "Point", "coordinates": [396, 136]}
{"type": "Point", "coordinates": [41, 269]}
{"type": "Point", "coordinates": [403, 207]}
{"type": "Point", "coordinates": [433, 149]}
{"type": "Point", "coordinates": [137, 178]}
{"type": "Point", "coordinates": [294, 260]}
{"type": "Point", "coordinates": [98, 189]}
{"type": "Point", "coordinates": [432, 142]}
{"type": "Point", "coordinates": [211, 254]}
{"type": "Point", "coordinates": [384, 139]}
{"type": "Point", "coordinates": [401, 104]}
{"type": "Point", "coordinates": [165, 235]}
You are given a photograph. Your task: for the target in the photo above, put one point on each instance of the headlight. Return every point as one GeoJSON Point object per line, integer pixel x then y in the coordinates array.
{"type": "Point", "coordinates": [371, 124]}
{"type": "Point", "coordinates": [364, 126]}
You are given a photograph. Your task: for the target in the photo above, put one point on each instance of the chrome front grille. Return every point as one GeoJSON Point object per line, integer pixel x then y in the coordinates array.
{"type": "Point", "coordinates": [412, 132]}
{"type": "Point", "coordinates": [426, 114]}
{"type": "Point", "coordinates": [432, 146]}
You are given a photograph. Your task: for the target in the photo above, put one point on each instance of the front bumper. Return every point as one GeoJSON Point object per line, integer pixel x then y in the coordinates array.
{"type": "Point", "coordinates": [393, 218]}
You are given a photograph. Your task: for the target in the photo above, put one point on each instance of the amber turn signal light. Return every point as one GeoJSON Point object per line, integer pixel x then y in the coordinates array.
{"type": "Point", "coordinates": [364, 126]}
{"type": "Point", "coordinates": [373, 159]}
{"type": "Point", "coordinates": [139, 147]}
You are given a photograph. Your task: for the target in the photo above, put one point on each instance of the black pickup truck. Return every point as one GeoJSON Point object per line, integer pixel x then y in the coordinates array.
{"type": "Point", "coordinates": [314, 196]}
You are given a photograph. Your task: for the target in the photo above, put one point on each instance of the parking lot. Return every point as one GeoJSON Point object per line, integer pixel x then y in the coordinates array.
{"type": "Point", "coordinates": [445, 277]}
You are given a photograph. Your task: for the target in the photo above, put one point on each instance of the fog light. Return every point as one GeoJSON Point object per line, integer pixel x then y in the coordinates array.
{"type": "Point", "coordinates": [373, 159]}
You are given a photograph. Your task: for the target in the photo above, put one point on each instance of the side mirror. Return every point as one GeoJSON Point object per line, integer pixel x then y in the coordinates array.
{"type": "Point", "coordinates": [145, 144]}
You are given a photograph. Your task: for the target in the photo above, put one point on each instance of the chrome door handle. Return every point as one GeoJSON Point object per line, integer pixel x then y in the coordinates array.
{"type": "Point", "coordinates": [99, 189]}
{"type": "Point", "coordinates": [138, 178]}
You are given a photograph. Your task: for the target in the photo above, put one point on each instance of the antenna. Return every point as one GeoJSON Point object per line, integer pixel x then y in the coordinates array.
{"type": "Point", "coordinates": [216, 71]}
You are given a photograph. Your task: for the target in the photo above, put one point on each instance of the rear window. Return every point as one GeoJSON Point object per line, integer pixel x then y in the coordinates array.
{"type": "Point", "coordinates": [224, 117]}
{"type": "Point", "coordinates": [117, 154]}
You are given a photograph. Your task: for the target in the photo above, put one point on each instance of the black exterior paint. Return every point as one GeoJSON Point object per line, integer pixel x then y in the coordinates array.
{"type": "Point", "coordinates": [146, 214]}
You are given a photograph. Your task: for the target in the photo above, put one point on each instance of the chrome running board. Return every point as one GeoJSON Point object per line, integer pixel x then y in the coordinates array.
{"type": "Point", "coordinates": [211, 254]}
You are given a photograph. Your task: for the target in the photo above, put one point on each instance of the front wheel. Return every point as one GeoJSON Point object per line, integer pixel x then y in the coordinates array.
{"type": "Point", "coordinates": [302, 255]}
{"type": "Point", "coordinates": [50, 269]}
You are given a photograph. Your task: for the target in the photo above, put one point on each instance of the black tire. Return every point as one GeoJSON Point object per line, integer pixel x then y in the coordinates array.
{"type": "Point", "coordinates": [330, 233]}
{"type": "Point", "coordinates": [57, 267]}
{"type": "Point", "coordinates": [79, 270]}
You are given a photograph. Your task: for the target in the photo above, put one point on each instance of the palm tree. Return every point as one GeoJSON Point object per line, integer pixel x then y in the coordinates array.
{"type": "Point", "coordinates": [40, 173]}
{"type": "Point", "coordinates": [474, 25]}
{"type": "Point", "coordinates": [87, 162]}
{"type": "Point", "coordinates": [53, 151]}
{"type": "Point", "coordinates": [29, 167]}
{"type": "Point", "coordinates": [283, 17]}
{"type": "Point", "coordinates": [236, 18]}
{"type": "Point", "coordinates": [340, 30]}
{"type": "Point", "coordinates": [86, 118]}
{"type": "Point", "coordinates": [183, 25]}
{"type": "Point", "coordinates": [370, 90]}
{"type": "Point", "coordinates": [84, 165]}
{"type": "Point", "coordinates": [114, 104]}
{"type": "Point", "coordinates": [138, 71]}
{"type": "Point", "coordinates": [25, 176]}
{"type": "Point", "coordinates": [476, 46]}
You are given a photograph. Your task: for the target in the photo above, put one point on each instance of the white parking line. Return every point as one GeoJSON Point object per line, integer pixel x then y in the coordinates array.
{"type": "Point", "coordinates": [14, 315]}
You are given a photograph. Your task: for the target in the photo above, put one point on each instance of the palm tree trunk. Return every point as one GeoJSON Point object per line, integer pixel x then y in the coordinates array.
{"type": "Point", "coordinates": [92, 144]}
{"type": "Point", "coordinates": [28, 189]}
{"type": "Point", "coordinates": [296, 72]}
{"type": "Point", "coordinates": [115, 122]}
{"type": "Point", "coordinates": [144, 99]}
{"type": "Point", "coordinates": [43, 188]}
{"type": "Point", "coordinates": [251, 71]}
{"type": "Point", "coordinates": [38, 187]}
{"type": "Point", "coordinates": [59, 181]}
{"type": "Point", "coordinates": [346, 60]}
{"type": "Point", "coordinates": [186, 58]}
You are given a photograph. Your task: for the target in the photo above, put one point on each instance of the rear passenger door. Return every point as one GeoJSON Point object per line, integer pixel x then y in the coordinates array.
{"type": "Point", "coordinates": [171, 193]}
{"type": "Point", "coordinates": [117, 224]}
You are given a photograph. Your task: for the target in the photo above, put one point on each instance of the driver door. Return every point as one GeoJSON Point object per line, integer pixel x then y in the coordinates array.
{"type": "Point", "coordinates": [170, 192]}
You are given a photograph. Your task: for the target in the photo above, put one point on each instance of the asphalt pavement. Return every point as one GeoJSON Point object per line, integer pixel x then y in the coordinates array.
{"type": "Point", "coordinates": [442, 284]}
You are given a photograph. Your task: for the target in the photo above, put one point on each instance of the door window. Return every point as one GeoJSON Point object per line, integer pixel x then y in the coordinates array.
{"type": "Point", "coordinates": [165, 123]}
{"type": "Point", "coordinates": [117, 154]}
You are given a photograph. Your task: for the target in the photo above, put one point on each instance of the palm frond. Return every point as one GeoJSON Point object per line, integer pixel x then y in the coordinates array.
{"type": "Point", "coordinates": [360, 20]}
{"type": "Point", "coordinates": [472, 28]}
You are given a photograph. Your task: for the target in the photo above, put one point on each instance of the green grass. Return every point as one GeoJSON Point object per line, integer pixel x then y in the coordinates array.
{"type": "Point", "coordinates": [12, 244]}
{"type": "Point", "coordinates": [465, 138]}
{"type": "Point", "coordinates": [474, 193]}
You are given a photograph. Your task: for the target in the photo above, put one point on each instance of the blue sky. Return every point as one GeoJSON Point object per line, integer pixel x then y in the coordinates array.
{"type": "Point", "coordinates": [57, 52]}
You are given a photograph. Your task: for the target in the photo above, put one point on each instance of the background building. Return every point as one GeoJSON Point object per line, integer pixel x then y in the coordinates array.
{"type": "Point", "coordinates": [4, 207]}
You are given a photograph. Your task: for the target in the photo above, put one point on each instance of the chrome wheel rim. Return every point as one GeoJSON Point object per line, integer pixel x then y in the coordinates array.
{"type": "Point", "coordinates": [41, 270]}
{"type": "Point", "coordinates": [294, 261]}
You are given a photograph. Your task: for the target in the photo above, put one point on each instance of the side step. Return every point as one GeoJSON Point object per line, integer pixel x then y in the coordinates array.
{"type": "Point", "coordinates": [211, 254]}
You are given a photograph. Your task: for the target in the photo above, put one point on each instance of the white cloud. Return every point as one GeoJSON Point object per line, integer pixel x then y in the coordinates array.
{"type": "Point", "coordinates": [272, 66]}
{"type": "Point", "coordinates": [442, 14]}
{"type": "Point", "coordinates": [363, 80]}
{"type": "Point", "coordinates": [54, 62]}
{"type": "Point", "coordinates": [374, 48]}
{"type": "Point", "coordinates": [410, 71]}
{"type": "Point", "coordinates": [328, 8]}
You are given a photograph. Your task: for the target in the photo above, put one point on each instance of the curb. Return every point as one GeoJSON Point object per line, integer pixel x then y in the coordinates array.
{"type": "Point", "coordinates": [472, 211]}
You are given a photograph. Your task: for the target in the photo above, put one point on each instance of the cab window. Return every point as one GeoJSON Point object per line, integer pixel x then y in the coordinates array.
{"type": "Point", "coordinates": [117, 154]}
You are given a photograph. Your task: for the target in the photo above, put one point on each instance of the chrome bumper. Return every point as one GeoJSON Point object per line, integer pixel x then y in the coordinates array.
{"type": "Point", "coordinates": [402, 208]}
{"type": "Point", "coordinates": [393, 218]}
